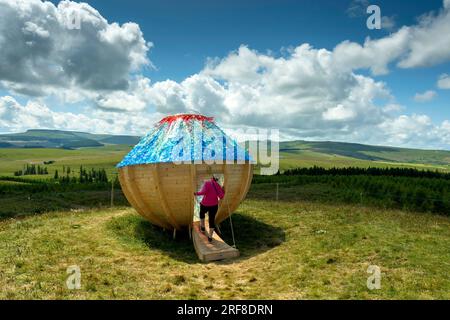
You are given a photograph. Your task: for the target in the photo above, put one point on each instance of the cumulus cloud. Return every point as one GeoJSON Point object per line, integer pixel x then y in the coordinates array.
{"type": "Point", "coordinates": [373, 54]}
{"type": "Point", "coordinates": [307, 92]}
{"type": "Point", "coordinates": [421, 45]}
{"type": "Point", "coordinates": [338, 113]}
{"type": "Point", "coordinates": [429, 42]}
{"type": "Point", "coordinates": [136, 98]}
{"type": "Point", "coordinates": [15, 117]}
{"type": "Point", "coordinates": [415, 131]}
{"type": "Point", "coordinates": [302, 91]}
{"type": "Point", "coordinates": [41, 51]}
{"type": "Point", "coordinates": [426, 96]}
{"type": "Point", "coordinates": [444, 81]}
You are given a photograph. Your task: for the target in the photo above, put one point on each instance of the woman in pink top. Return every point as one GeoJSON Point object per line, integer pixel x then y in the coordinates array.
{"type": "Point", "coordinates": [211, 192]}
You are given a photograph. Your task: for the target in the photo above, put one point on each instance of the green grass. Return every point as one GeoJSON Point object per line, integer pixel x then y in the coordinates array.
{"type": "Point", "coordinates": [307, 158]}
{"type": "Point", "coordinates": [108, 156]}
{"type": "Point", "coordinates": [307, 245]}
{"type": "Point", "coordinates": [368, 152]}
{"type": "Point", "coordinates": [18, 205]}
{"type": "Point", "coordinates": [101, 157]}
{"type": "Point", "coordinates": [289, 250]}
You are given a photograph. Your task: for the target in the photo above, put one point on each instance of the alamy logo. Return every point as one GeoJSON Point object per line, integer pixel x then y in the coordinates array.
{"type": "Point", "coordinates": [374, 281]}
{"type": "Point", "coordinates": [73, 20]}
{"type": "Point", "coordinates": [374, 20]}
{"type": "Point", "coordinates": [74, 279]}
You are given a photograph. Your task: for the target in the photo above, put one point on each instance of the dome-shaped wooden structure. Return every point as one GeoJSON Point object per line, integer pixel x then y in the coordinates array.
{"type": "Point", "coordinates": [161, 173]}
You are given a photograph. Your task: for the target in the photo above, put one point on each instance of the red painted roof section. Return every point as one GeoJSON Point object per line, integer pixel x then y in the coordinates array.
{"type": "Point", "coordinates": [185, 117]}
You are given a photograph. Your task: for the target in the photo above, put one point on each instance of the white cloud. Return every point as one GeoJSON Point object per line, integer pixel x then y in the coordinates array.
{"type": "Point", "coordinates": [413, 131]}
{"type": "Point", "coordinates": [136, 98]}
{"type": "Point", "coordinates": [421, 45]}
{"type": "Point", "coordinates": [429, 42]}
{"type": "Point", "coordinates": [393, 107]}
{"type": "Point", "coordinates": [41, 51]}
{"type": "Point", "coordinates": [426, 96]}
{"type": "Point", "coordinates": [338, 113]}
{"type": "Point", "coordinates": [307, 92]}
{"type": "Point", "coordinates": [198, 93]}
{"type": "Point", "coordinates": [444, 81]}
{"type": "Point", "coordinates": [302, 91]}
{"type": "Point", "coordinates": [15, 117]}
{"type": "Point", "coordinates": [373, 54]}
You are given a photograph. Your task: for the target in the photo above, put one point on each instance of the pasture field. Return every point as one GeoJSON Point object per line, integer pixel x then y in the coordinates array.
{"type": "Point", "coordinates": [108, 156]}
{"type": "Point", "coordinates": [289, 250]}
{"type": "Point", "coordinates": [307, 158]}
{"type": "Point", "coordinates": [314, 240]}
{"type": "Point", "coordinates": [105, 157]}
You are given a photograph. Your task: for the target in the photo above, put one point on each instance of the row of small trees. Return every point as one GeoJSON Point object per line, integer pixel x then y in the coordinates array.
{"type": "Point", "coordinates": [31, 170]}
{"type": "Point", "coordinates": [84, 176]}
{"type": "Point", "coordinates": [371, 171]}
{"type": "Point", "coordinates": [403, 188]}
{"type": "Point", "coordinates": [67, 175]}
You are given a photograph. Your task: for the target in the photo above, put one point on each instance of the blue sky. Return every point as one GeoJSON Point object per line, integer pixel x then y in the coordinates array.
{"type": "Point", "coordinates": [132, 62]}
{"type": "Point", "coordinates": [186, 33]}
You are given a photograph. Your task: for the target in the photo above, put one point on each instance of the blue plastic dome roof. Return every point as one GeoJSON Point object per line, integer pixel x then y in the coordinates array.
{"type": "Point", "coordinates": [185, 138]}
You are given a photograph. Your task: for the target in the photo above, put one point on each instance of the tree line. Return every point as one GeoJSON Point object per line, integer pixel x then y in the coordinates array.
{"type": "Point", "coordinates": [370, 171]}
{"type": "Point", "coordinates": [84, 176]}
{"type": "Point", "coordinates": [31, 170]}
{"type": "Point", "coordinates": [402, 188]}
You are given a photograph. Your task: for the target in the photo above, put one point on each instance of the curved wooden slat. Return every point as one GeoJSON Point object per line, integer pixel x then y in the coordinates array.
{"type": "Point", "coordinates": [234, 202]}
{"type": "Point", "coordinates": [150, 188]}
{"type": "Point", "coordinates": [133, 195]}
{"type": "Point", "coordinates": [193, 176]}
{"type": "Point", "coordinates": [147, 207]}
{"type": "Point", "coordinates": [159, 188]}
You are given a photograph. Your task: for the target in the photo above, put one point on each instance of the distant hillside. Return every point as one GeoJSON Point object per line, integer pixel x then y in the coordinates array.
{"type": "Point", "coordinates": [293, 153]}
{"type": "Point", "coordinates": [61, 139]}
{"type": "Point", "coordinates": [310, 150]}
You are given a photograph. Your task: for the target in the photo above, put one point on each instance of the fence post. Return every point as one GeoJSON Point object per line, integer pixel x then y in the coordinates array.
{"type": "Point", "coordinates": [112, 192]}
{"type": "Point", "coordinates": [277, 192]}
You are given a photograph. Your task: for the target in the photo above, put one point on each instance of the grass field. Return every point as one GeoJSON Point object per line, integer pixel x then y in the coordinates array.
{"type": "Point", "coordinates": [100, 157]}
{"type": "Point", "coordinates": [315, 242]}
{"type": "Point", "coordinates": [307, 158]}
{"type": "Point", "coordinates": [107, 157]}
{"type": "Point", "coordinates": [289, 250]}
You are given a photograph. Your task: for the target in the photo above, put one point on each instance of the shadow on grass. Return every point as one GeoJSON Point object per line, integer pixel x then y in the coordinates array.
{"type": "Point", "coordinates": [252, 237]}
{"type": "Point", "coordinates": [19, 205]}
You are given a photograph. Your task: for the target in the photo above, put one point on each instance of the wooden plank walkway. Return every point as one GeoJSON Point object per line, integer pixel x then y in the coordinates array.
{"type": "Point", "coordinates": [211, 251]}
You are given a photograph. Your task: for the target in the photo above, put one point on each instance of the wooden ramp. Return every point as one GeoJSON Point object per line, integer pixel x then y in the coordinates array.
{"type": "Point", "coordinates": [210, 251]}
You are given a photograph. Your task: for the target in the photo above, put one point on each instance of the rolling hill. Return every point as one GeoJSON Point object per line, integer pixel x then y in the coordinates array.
{"type": "Point", "coordinates": [292, 153]}
{"type": "Point", "coordinates": [362, 152]}
{"type": "Point", "coordinates": [37, 138]}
